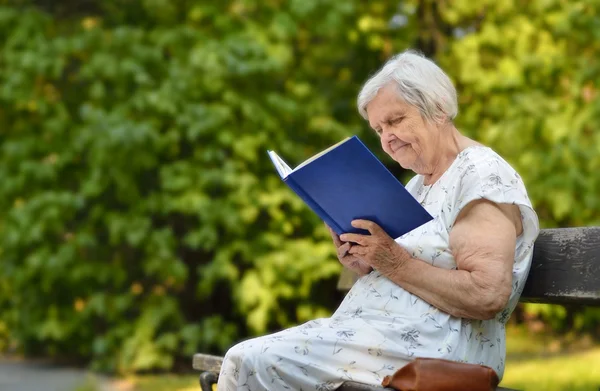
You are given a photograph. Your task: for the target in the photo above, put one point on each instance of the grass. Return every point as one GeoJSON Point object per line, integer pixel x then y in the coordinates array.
{"type": "Point", "coordinates": [534, 362]}
{"type": "Point", "coordinates": [543, 362]}
{"type": "Point", "coordinates": [568, 372]}
{"type": "Point", "coordinates": [167, 383]}
{"type": "Point", "coordinates": [91, 384]}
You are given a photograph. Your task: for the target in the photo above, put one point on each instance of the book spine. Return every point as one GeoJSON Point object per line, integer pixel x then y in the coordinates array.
{"type": "Point", "coordinates": [313, 205]}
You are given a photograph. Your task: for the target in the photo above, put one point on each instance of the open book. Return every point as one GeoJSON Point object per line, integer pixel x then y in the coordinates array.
{"type": "Point", "coordinates": [347, 182]}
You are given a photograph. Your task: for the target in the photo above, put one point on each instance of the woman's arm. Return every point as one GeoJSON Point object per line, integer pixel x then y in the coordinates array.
{"type": "Point", "coordinates": [482, 241]}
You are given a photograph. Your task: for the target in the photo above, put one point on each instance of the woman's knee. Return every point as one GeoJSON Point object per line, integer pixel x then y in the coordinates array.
{"type": "Point", "coordinates": [234, 352]}
{"type": "Point", "coordinates": [246, 349]}
{"type": "Point", "coordinates": [230, 369]}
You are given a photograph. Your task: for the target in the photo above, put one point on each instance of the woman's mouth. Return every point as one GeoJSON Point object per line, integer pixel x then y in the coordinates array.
{"type": "Point", "coordinates": [396, 145]}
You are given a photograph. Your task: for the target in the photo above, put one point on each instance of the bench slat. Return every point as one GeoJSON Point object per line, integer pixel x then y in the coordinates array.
{"type": "Point", "coordinates": [207, 363]}
{"type": "Point", "coordinates": [565, 267]}
{"type": "Point", "coordinates": [352, 386]}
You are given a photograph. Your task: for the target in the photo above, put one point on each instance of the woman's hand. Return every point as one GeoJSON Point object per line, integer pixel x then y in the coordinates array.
{"type": "Point", "coordinates": [350, 261]}
{"type": "Point", "coordinates": [378, 250]}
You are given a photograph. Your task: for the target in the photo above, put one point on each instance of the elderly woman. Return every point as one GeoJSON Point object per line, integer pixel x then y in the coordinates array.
{"type": "Point", "coordinates": [444, 290]}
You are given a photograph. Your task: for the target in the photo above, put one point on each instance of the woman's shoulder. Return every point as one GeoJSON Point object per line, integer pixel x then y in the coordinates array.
{"type": "Point", "coordinates": [481, 172]}
{"type": "Point", "coordinates": [483, 161]}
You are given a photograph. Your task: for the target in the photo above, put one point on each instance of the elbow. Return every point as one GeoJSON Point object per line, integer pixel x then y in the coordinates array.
{"type": "Point", "coordinates": [489, 305]}
{"type": "Point", "coordinates": [488, 314]}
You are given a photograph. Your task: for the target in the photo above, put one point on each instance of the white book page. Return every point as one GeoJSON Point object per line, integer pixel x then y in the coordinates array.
{"type": "Point", "coordinates": [282, 168]}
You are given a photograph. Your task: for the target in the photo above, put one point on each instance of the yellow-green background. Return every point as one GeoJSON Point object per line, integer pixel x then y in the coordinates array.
{"type": "Point", "coordinates": [140, 218]}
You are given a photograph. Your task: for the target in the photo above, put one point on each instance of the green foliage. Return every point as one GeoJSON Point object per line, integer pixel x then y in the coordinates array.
{"type": "Point", "coordinates": [140, 218]}
{"type": "Point", "coordinates": [566, 319]}
{"type": "Point", "coordinates": [527, 78]}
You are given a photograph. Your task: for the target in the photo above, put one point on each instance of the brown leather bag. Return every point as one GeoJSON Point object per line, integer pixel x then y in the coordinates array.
{"type": "Point", "coordinates": [432, 374]}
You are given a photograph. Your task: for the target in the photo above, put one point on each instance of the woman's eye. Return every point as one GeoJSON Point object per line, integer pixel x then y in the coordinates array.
{"type": "Point", "coordinates": [396, 121]}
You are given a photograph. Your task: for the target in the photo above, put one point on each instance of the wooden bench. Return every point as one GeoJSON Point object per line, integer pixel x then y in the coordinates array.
{"type": "Point", "coordinates": [565, 270]}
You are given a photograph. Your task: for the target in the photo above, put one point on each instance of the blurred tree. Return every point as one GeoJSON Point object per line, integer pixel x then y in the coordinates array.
{"type": "Point", "coordinates": [140, 218]}
{"type": "Point", "coordinates": [528, 76]}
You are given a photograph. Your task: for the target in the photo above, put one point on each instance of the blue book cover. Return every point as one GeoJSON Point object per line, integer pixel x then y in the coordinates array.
{"type": "Point", "coordinates": [347, 182]}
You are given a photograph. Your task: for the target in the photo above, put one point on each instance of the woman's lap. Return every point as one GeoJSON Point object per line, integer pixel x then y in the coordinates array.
{"type": "Point", "coordinates": [317, 355]}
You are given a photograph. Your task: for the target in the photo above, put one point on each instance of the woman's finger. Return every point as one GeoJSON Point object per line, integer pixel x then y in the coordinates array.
{"type": "Point", "coordinates": [357, 250]}
{"type": "Point", "coordinates": [342, 251]}
{"type": "Point", "coordinates": [334, 236]}
{"type": "Point", "coordinates": [355, 238]}
{"type": "Point", "coordinates": [370, 226]}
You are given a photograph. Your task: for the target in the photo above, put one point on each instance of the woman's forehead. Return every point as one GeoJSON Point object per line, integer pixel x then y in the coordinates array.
{"type": "Point", "coordinates": [386, 105]}
{"type": "Point", "coordinates": [388, 97]}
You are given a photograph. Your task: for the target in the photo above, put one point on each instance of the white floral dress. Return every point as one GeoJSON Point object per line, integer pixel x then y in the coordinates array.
{"type": "Point", "coordinates": [379, 326]}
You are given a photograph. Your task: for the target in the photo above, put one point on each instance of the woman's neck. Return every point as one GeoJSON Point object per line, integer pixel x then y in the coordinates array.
{"type": "Point", "coordinates": [448, 149]}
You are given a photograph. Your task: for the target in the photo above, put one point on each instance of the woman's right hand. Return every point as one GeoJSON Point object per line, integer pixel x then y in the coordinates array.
{"type": "Point", "coordinates": [350, 261]}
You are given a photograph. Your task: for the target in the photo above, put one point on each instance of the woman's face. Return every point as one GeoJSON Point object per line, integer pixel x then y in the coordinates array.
{"type": "Point", "coordinates": [404, 134]}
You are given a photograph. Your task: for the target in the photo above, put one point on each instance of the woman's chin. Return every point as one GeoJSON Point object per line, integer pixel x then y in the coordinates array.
{"type": "Point", "coordinates": [404, 160]}
{"type": "Point", "coordinates": [406, 167]}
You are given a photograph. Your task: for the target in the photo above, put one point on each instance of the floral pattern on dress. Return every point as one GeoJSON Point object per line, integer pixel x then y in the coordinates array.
{"type": "Point", "coordinates": [379, 327]}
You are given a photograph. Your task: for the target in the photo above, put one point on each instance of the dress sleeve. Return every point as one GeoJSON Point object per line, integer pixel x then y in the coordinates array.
{"type": "Point", "coordinates": [482, 174]}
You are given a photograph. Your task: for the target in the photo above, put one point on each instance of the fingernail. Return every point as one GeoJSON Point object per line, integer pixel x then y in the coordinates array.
{"type": "Point", "coordinates": [343, 236]}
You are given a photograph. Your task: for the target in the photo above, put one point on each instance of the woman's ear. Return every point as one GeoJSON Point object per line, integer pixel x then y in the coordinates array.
{"type": "Point", "coordinates": [444, 122]}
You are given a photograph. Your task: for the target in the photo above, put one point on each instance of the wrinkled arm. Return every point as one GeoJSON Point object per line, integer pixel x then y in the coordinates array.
{"type": "Point", "coordinates": [483, 241]}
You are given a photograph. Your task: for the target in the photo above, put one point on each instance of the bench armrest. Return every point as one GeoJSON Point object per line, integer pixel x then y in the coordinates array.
{"type": "Point", "coordinates": [207, 363]}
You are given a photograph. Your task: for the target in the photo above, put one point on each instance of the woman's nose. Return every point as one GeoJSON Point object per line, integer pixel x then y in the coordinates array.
{"type": "Point", "coordinates": [386, 134]}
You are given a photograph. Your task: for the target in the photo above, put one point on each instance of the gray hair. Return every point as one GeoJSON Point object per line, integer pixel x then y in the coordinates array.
{"type": "Point", "coordinates": [420, 83]}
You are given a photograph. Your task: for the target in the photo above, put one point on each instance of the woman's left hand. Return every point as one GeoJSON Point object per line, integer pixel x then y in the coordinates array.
{"type": "Point", "coordinates": [378, 249]}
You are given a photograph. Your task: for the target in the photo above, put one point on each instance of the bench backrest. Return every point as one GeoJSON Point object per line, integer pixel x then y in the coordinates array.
{"type": "Point", "coordinates": [565, 268]}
